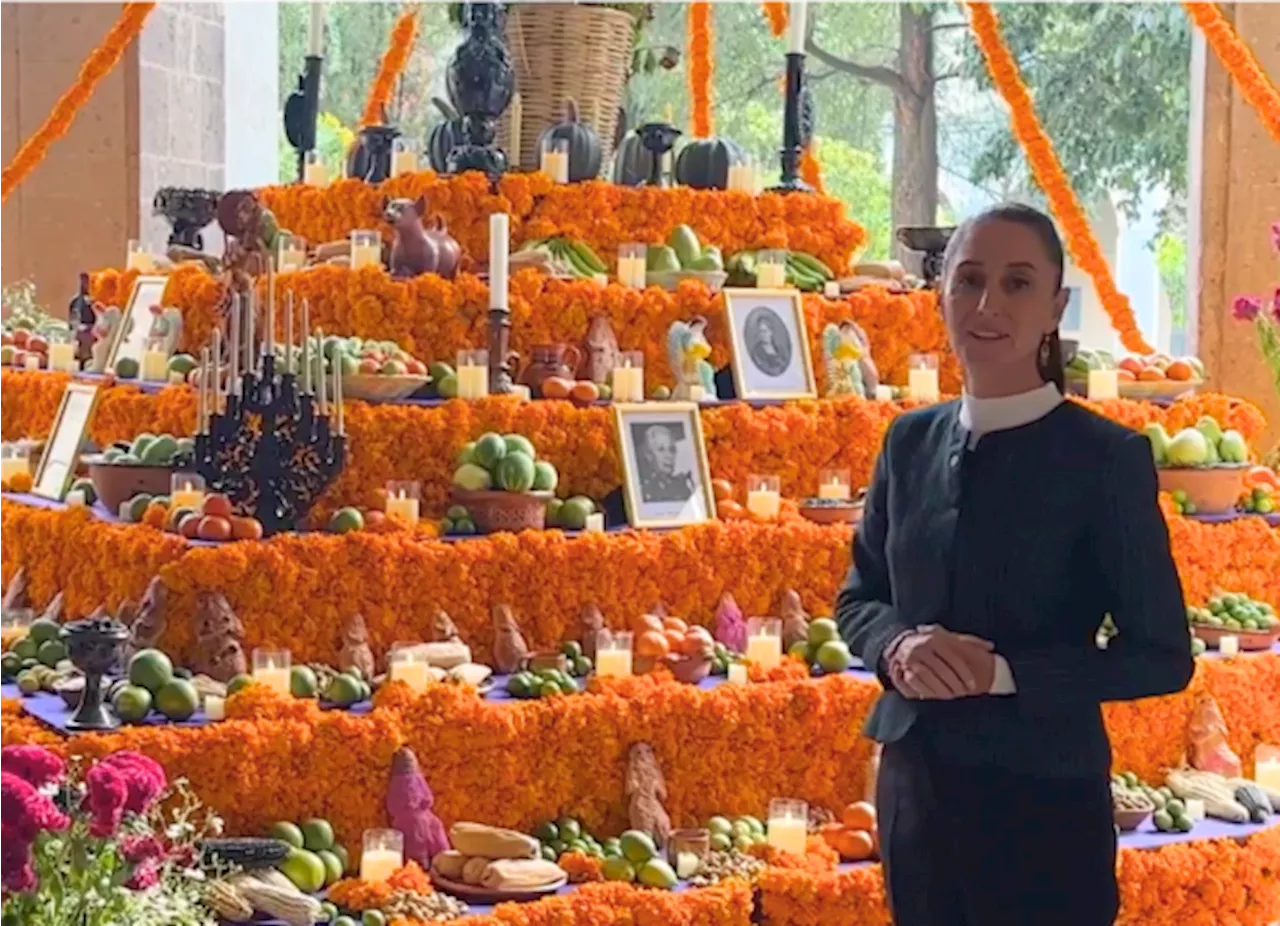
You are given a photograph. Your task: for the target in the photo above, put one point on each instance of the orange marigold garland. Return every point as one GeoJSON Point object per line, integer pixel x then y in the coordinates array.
{"type": "Point", "coordinates": [777, 14]}
{"type": "Point", "coordinates": [1036, 145]}
{"type": "Point", "coordinates": [99, 64]}
{"type": "Point", "coordinates": [399, 45]}
{"type": "Point", "coordinates": [1238, 59]}
{"type": "Point", "coordinates": [810, 169]}
{"type": "Point", "coordinates": [701, 66]}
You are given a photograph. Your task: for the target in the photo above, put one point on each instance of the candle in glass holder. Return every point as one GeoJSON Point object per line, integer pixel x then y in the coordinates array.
{"type": "Point", "coordinates": [834, 484]}
{"type": "Point", "coordinates": [922, 377]}
{"type": "Point", "coordinates": [1104, 384]}
{"type": "Point", "coordinates": [613, 653]}
{"type": "Point", "coordinates": [555, 160]}
{"type": "Point", "coordinates": [271, 667]}
{"type": "Point", "coordinates": [291, 253]}
{"type": "Point", "coordinates": [788, 824]}
{"type": "Point", "coordinates": [1266, 766]}
{"type": "Point", "coordinates": [737, 673]}
{"type": "Point", "coordinates": [764, 642]}
{"type": "Point", "coordinates": [628, 377]}
{"type": "Point", "coordinates": [31, 362]}
{"type": "Point", "coordinates": [408, 664]}
{"type": "Point", "coordinates": [631, 265]}
{"type": "Point", "coordinates": [155, 362]}
{"type": "Point", "coordinates": [313, 171]}
{"type": "Point", "coordinates": [1229, 644]}
{"type": "Point", "coordinates": [62, 354]}
{"type": "Point", "coordinates": [366, 249]}
{"type": "Point", "coordinates": [382, 855]}
{"type": "Point", "coordinates": [771, 270]}
{"type": "Point", "coordinates": [473, 374]}
{"type": "Point", "coordinates": [14, 459]}
{"type": "Point", "coordinates": [764, 496]}
{"type": "Point", "coordinates": [403, 500]}
{"type": "Point", "coordinates": [138, 257]}
{"type": "Point", "coordinates": [76, 498]}
{"type": "Point", "coordinates": [215, 708]}
{"type": "Point", "coordinates": [742, 178]}
{"type": "Point", "coordinates": [186, 490]}
{"type": "Point", "coordinates": [404, 159]}
{"type": "Point", "coordinates": [884, 393]}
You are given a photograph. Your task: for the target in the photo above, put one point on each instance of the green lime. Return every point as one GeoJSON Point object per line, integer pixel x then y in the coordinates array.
{"type": "Point", "coordinates": [286, 832]}
{"type": "Point", "coordinates": [721, 842]}
{"type": "Point", "coordinates": [373, 918]}
{"type": "Point", "coordinates": [568, 686]}
{"type": "Point", "coordinates": [28, 682]}
{"type": "Point", "coordinates": [238, 682]}
{"type": "Point", "coordinates": [332, 866]}
{"type": "Point", "coordinates": [548, 853]}
{"type": "Point", "coordinates": [344, 690]}
{"type": "Point", "coordinates": [548, 689]}
{"type": "Point", "coordinates": [719, 825]}
{"type": "Point", "coordinates": [617, 868]}
{"type": "Point", "coordinates": [657, 873]}
{"type": "Point", "coordinates": [52, 652]}
{"type": "Point", "coordinates": [558, 847]}
{"type": "Point", "coordinates": [822, 630]}
{"type": "Point", "coordinates": [572, 650]}
{"type": "Point", "coordinates": [305, 870]}
{"type": "Point", "coordinates": [317, 834]}
{"type": "Point", "coordinates": [330, 910]}
{"type": "Point", "coordinates": [131, 703]}
{"type": "Point", "coordinates": [1163, 820]}
{"type": "Point", "coordinates": [520, 685]}
{"type": "Point", "coordinates": [42, 630]}
{"type": "Point", "coordinates": [343, 856]}
{"type": "Point", "coordinates": [303, 682]}
{"type": "Point", "coordinates": [26, 648]}
{"type": "Point", "coordinates": [582, 667]}
{"type": "Point", "coordinates": [545, 832]}
{"type": "Point", "coordinates": [345, 921]}
{"type": "Point", "coordinates": [177, 699]}
{"type": "Point", "coordinates": [580, 845]}
{"type": "Point", "coordinates": [638, 846]}
{"type": "Point", "coordinates": [10, 664]}
{"type": "Point", "coordinates": [151, 669]}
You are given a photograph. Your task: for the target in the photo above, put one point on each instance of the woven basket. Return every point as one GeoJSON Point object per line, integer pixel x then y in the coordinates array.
{"type": "Point", "coordinates": [566, 51]}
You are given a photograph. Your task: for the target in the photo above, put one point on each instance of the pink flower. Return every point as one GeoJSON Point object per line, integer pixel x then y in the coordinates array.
{"type": "Point", "coordinates": [1275, 236]}
{"type": "Point", "coordinates": [1275, 305]}
{"type": "Point", "coordinates": [107, 793]}
{"type": "Point", "coordinates": [138, 849]}
{"type": "Point", "coordinates": [1246, 308]}
{"type": "Point", "coordinates": [25, 811]}
{"type": "Point", "coordinates": [142, 775]}
{"type": "Point", "coordinates": [16, 871]}
{"type": "Point", "coordinates": [33, 764]}
{"type": "Point", "coordinates": [144, 876]}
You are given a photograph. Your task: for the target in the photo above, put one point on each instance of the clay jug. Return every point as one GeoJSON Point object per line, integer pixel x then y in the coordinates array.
{"type": "Point", "coordinates": [600, 351]}
{"type": "Point", "coordinates": [550, 360]}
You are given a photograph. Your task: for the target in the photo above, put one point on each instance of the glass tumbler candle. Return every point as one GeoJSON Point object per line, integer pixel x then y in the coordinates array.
{"type": "Point", "coordinates": [408, 663]}
{"type": "Point", "coordinates": [613, 653]}
{"type": "Point", "coordinates": [382, 854]}
{"type": "Point", "coordinates": [62, 353]}
{"type": "Point", "coordinates": [1266, 766]}
{"type": "Point", "coordinates": [155, 362]}
{"type": "Point", "coordinates": [632, 266]}
{"type": "Point", "coordinates": [788, 824]}
{"type": "Point", "coordinates": [555, 160]}
{"type": "Point", "coordinates": [834, 484]}
{"type": "Point", "coordinates": [403, 501]}
{"type": "Point", "coordinates": [771, 270]}
{"type": "Point", "coordinates": [291, 252]}
{"type": "Point", "coordinates": [764, 642]}
{"type": "Point", "coordinates": [14, 459]}
{"type": "Point", "coordinates": [922, 377]}
{"type": "Point", "coordinates": [764, 496]}
{"type": "Point", "coordinates": [404, 158]}
{"type": "Point", "coordinates": [628, 377]}
{"type": "Point", "coordinates": [186, 490]}
{"type": "Point", "coordinates": [137, 257]}
{"type": "Point", "coordinates": [473, 374]}
{"type": "Point", "coordinates": [366, 249]}
{"type": "Point", "coordinates": [272, 667]}
{"type": "Point", "coordinates": [314, 173]}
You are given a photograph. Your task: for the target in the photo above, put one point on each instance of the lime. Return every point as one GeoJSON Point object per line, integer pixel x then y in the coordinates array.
{"type": "Point", "coordinates": [741, 828]}
{"type": "Point", "coordinates": [834, 656]}
{"type": "Point", "coordinates": [373, 918]}
{"type": "Point", "coordinates": [568, 686]}
{"type": "Point", "coordinates": [26, 648]}
{"type": "Point", "coordinates": [545, 477]}
{"type": "Point", "coordinates": [1163, 820]}
{"type": "Point", "coordinates": [612, 846]}
{"type": "Point", "coordinates": [345, 520]}
{"type": "Point", "coordinates": [303, 683]}
{"type": "Point", "coordinates": [345, 921]}
{"type": "Point", "coordinates": [28, 682]}
{"type": "Point", "coordinates": [822, 630]}
{"type": "Point", "coordinates": [721, 842]}
{"type": "Point", "coordinates": [638, 846]}
{"type": "Point", "coordinates": [558, 847]}
{"type": "Point", "coordinates": [344, 690]}
{"type": "Point", "coordinates": [305, 870]}
{"type": "Point", "coordinates": [52, 652]}
{"type": "Point", "coordinates": [580, 845]}
{"type": "Point", "coordinates": [332, 866]}
{"type": "Point", "coordinates": [548, 689]}
{"type": "Point", "coordinates": [151, 669]}
{"type": "Point", "coordinates": [617, 868]}
{"type": "Point", "coordinates": [657, 873]}
{"type": "Point", "coordinates": [545, 832]}
{"type": "Point", "coordinates": [317, 834]}
{"type": "Point", "coordinates": [719, 825]}
{"type": "Point", "coordinates": [548, 853]}
{"type": "Point", "coordinates": [520, 685]}
{"type": "Point", "coordinates": [582, 667]}
{"type": "Point", "coordinates": [329, 909]}
{"type": "Point", "coordinates": [177, 699]}
{"type": "Point", "coordinates": [132, 703]}
{"type": "Point", "coordinates": [43, 630]}
{"type": "Point", "coordinates": [10, 664]}
{"type": "Point", "coordinates": [466, 455]}
{"type": "Point", "coordinates": [286, 832]}
{"type": "Point", "coordinates": [572, 650]}
{"type": "Point", "coordinates": [238, 682]}
{"type": "Point", "coordinates": [802, 649]}
{"type": "Point", "coordinates": [1182, 823]}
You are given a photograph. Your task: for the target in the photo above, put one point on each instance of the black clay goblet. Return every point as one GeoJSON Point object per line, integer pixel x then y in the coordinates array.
{"type": "Point", "coordinates": [93, 644]}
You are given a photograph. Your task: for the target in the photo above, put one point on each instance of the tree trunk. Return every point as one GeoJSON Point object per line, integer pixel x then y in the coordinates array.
{"type": "Point", "coordinates": [915, 126]}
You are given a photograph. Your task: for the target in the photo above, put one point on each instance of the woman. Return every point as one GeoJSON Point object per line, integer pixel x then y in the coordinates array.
{"type": "Point", "coordinates": [999, 529]}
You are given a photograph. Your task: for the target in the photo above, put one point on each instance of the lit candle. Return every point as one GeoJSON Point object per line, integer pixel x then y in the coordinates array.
{"type": "Point", "coordinates": [517, 113]}
{"type": "Point", "coordinates": [250, 323]}
{"type": "Point", "coordinates": [403, 502]}
{"type": "Point", "coordinates": [1103, 384]}
{"type": "Point", "coordinates": [382, 855]}
{"type": "Point", "coordinates": [738, 673]}
{"type": "Point", "coordinates": [75, 498]}
{"type": "Point", "coordinates": [788, 825]}
{"type": "Point", "coordinates": [628, 379]}
{"type": "Point", "coordinates": [338, 398]}
{"type": "Point", "coordinates": [313, 170]}
{"type": "Point", "coordinates": [834, 484]}
{"type": "Point", "coordinates": [796, 28]}
{"type": "Point", "coordinates": [62, 356]}
{"type": "Point", "coordinates": [595, 523]}
{"type": "Point", "coordinates": [499, 259]}
{"type": "Point", "coordinates": [291, 254]}
{"type": "Point", "coordinates": [884, 393]}
{"type": "Point", "coordinates": [922, 377]}
{"type": "Point", "coordinates": [1229, 644]}
{"type": "Point", "coordinates": [764, 496]}
{"type": "Point", "coordinates": [269, 336]}
{"type": "Point", "coordinates": [272, 667]}
{"type": "Point", "coordinates": [215, 708]}
{"type": "Point", "coordinates": [215, 372]}
{"type": "Point", "coordinates": [404, 160]}
{"type": "Point", "coordinates": [315, 35]}
{"type": "Point", "coordinates": [138, 258]}
{"type": "Point", "coordinates": [831, 289]}
{"type": "Point", "coordinates": [771, 270]}
{"type": "Point", "coordinates": [233, 350]}
{"type": "Point", "coordinates": [409, 664]}
{"type": "Point", "coordinates": [320, 375]}
{"type": "Point", "coordinates": [613, 654]}
{"type": "Point", "coordinates": [1266, 766]}
{"type": "Point", "coordinates": [186, 490]}
{"type": "Point", "coordinates": [764, 642]}
{"type": "Point", "coordinates": [366, 249]}
{"type": "Point", "coordinates": [155, 364]}
{"type": "Point", "coordinates": [306, 347]}
{"type": "Point", "coordinates": [473, 374]}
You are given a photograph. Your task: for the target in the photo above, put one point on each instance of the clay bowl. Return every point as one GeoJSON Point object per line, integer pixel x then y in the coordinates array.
{"type": "Point", "coordinates": [1129, 820]}
{"type": "Point", "coordinates": [505, 511]}
{"type": "Point", "coordinates": [828, 513]}
{"type": "Point", "coordinates": [1212, 489]}
{"type": "Point", "coordinates": [1251, 641]}
{"type": "Point", "coordinates": [116, 483]}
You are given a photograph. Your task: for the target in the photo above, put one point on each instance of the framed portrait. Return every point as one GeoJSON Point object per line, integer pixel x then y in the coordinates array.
{"type": "Point", "coordinates": [57, 467]}
{"type": "Point", "coordinates": [665, 478]}
{"type": "Point", "coordinates": [136, 320]}
{"type": "Point", "coordinates": [771, 358]}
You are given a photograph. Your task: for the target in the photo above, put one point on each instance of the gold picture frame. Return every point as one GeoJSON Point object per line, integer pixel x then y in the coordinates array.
{"type": "Point", "coordinates": [777, 312]}
{"type": "Point", "coordinates": [655, 499]}
{"type": "Point", "coordinates": [130, 340]}
{"type": "Point", "coordinates": [57, 469]}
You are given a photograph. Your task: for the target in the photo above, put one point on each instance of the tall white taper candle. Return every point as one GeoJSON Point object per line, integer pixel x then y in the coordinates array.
{"type": "Point", "coordinates": [315, 35]}
{"type": "Point", "coordinates": [499, 259]}
{"type": "Point", "coordinates": [796, 15]}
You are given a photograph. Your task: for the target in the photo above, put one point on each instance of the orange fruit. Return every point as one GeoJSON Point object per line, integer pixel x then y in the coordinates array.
{"type": "Point", "coordinates": [675, 640]}
{"type": "Point", "coordinates": [729, 510]}
{"type": "Point", "coordinates": [831, 832]}
{"type": "Point", "coordinates": [584, 392]}
{"type": "Point", "coordinates": [212, 527]}
{"type": "Point", "coordinates": [189, 526]}
{"type": "Point", "coordinates": [1180, 370]}
{"type": "Point", "coordinates": [20, 482]}
{"type": "Point", "coordinates": [216, 505]}
{"type": "Point", "coordinates": [374, 516]}
{"type": "Point", "coordinates": [653, 644]}
{"type": "Point", "coordinates": [1125, 376]}
{"type": "Point", "coordinates": [859, 816]}
{"type": "Point", "coordinates": [1132, 364]}
{"type": "Point", "coordinates": [855, 845]}
{"type": "Point", "coordinates": [245, 528]}
{"type": "Point", "coordinates": [674, 623]}
{"type": "Point", "coordinates": [555, 387]}
{"type": "Point", "coordinates": [1151, 375]}
{"type": "Point", "coordinates": [722, 489]}
{"type": "Point", "coordinates": [646, 622]}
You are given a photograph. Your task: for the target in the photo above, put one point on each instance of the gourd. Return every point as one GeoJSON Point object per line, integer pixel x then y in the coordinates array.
{"type": "Point", "coordinates": [632, 161]}
{"type": "Point", "coordinates": [444, 137]}
{"type": "Point", "coordinates": [1255, 800]}
{"type": "Point", "coordinates": [704, 163]}
{"type": "Point", "coordinates": [585, 152]}
{"type": "Point", "coordinates": [1217, 794]}
{"type": "Point", "coordinates": [292, 906]}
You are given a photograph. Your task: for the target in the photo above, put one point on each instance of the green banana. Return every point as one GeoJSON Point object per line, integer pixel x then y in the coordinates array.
{"type": "Point", "coordinates": [815, 265]}
{"type": "Point", "coordinates": [574, 261]}
{"type": "Point", "coordinates": [588, 256]}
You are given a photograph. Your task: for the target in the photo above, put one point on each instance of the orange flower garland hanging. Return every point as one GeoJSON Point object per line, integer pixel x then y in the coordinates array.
{"type": "Point", "coordinates": [810, 169]}
{"type": "Point", "coordinates": [98, 65]}
{"type": "Point", "coordinates": [393, 61]}
{"type": "Point", "coordinates": [1238, 60]}
{"type": "Point", "coordinates": [1085, 251]}
{"type": "Point", "coordinates": [777, 15]}
{"type": "Point", "coordinates": [701, 67]}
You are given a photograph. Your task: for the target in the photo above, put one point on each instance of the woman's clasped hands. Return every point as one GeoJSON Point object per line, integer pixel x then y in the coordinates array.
{"type": "Point", "coordinates": [933, 663]}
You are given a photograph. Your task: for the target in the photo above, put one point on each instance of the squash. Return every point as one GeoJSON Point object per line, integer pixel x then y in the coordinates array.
{"type": "Point", "coordinates": [704, 163]}
{"type": "Point", "coordinates": [444, 137]}
{"type": "Point", "coordinates": [632, 161]}
{"type": "Point", "coordinates": [585, 152]}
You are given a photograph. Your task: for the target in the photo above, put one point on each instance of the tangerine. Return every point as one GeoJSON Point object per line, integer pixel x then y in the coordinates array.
{"type": "Point", "coordinates": [647, 622]}
{"type": "Point", "coordinates": [1151, 375]}
{"type": "Point", "coordinates": [20, 481]}
{"type": "Point", "coordinates": [652, 644]}
{"type": "Point", "coordinates": [216, 505]}
{"type": "Point", "coordinates": [859, 816]}
{"type": "Point", "coordinates": [855, 845]}
{"type": "Point", "coordinates": [1181, 371]}
{"type": "Point", "coordinates": [675, 641]}
{"type": "Point", "coordinates": [729, 510]}
{"type": "Point", "coordinates": [1125, 376]}
{"type": "Point", "coordinates": [245, 528]}
{"type": "Point", "coordinates": [1131, 364]}
{"type": "Point", "coordinates": [213, 527]}
{"type": "Point", "coordinates": [722, 489]}
{"type": "Point", "coordinates": [674, 623]}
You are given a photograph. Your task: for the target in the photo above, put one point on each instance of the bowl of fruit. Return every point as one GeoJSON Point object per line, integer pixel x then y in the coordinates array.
{"type": "Point", "coordinates": [1130, 806]}
{"type": "Point", "coordinates": [144, 466]}
{"type": "Point", "coordinates": [502, 483]}
{"type": "Point", "coordinates": [1253, 623]}
{"type": "Point", "coordinates": [374, 371]}
{"type": "Point", "coordinates": [1157, 376]}
{"type": "Point", "coordinates": [1204, 466]}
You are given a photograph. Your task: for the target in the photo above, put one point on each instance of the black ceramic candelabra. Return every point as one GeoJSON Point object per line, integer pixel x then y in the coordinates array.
{"type": "Point", "coordinates": [481, 82]}
{"type": "Point", "coordinates": [93, 645]}
{"type": "Point", "coordinates": [273, 449]}
{"type": "Point", "coordinates": [302, 110]}
{"type": "Point", "coordinates": [797, 127]}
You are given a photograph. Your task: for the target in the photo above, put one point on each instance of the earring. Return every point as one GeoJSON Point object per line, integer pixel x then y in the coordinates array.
{"type": "Point", "coordinates": [1044, 351]}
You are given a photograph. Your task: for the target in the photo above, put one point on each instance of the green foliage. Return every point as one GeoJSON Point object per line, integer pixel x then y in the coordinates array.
{"type": "Point", "coordinates": [1171, 264]}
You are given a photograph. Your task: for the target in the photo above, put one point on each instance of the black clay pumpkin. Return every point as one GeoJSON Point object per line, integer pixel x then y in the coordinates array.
{"type": "Point", "coordinates": [370, 156]}
{"type": "Point", "coordinates": [585, 153]}
{"type": "Point", "coordinates": [632, 161]}
{"type": "Point", "coordinates": [444, 137]}
{"type": "Point", "coordinates": [704, 163]}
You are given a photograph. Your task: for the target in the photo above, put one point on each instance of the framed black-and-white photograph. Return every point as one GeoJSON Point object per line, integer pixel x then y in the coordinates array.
{"type": "Point", "coordinates": [771, 358]}
{"type": "Point", "coordinates": [137, 320]}
{"type": "Point", "coordinates": [665, 478]}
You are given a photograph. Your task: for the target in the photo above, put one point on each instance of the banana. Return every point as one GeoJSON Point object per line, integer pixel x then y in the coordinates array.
{"type": "Point", "coordinates": [802, 276]}
{"type": "Point", "coordinates": [817, 266]}
{"type": "Point", "coordinates": [588, 256]}
{"type": "Point", "coordinates": [492, 842]}
{"type": "Point", "coordinates": [522, 874]}
{"type": "Point", "coordinates": [581, 268]}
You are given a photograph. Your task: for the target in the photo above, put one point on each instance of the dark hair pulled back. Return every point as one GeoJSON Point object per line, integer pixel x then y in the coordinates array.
{"type": "Point", "coordinates": [1050, 363]}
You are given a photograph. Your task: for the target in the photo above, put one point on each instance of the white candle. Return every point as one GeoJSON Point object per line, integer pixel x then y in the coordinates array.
{"type": "Point", "coordinates": [315, 35]}
{"type": "Point", "coordinates": [1266, 772]}
{"type": "Point", "coordinates": [404, 509]}
{"type": "Point", "coordinates": [269, 337]}
{"type": "Point", "coordinates": [337, 394]}
{"type": "Point", "coordinates": [32, 362]}
{"type": "Point", "coordinates": [764, 503]}
{"type": "Point", "coordinates": [796, 28]}
{"type": "Point", "coordinates": [499, 248]}
{"type": "Point", "coordinates": [831, 289]}
{"type": "Point", "coordinates": [62, 356]}
{"type": "Point", "coordinates": [1195, 810]}
{"type": "Point", "coordinates": [835, 489]}
{"type": "Point", "coordinates": [215, 708]}
{"type": "Point", "coordinates": [202, 418]}
{"type": "Point", "coordinates": [922, 384]}
{"type": "Point", "coordinates": [214, 373]}
{"type": "Point", "coordinates": [155, 366]}
{"type": "Point", "coordinates": [250, 322]}
{"type": "Point", "coordinates": [517, 113]}
{"type": "Point", "coordinates": [884, 393]}
{"type": "Point", "coordinates": [595, 523]}
{"type": "Point", "coordinates": [473, 381]}
{"type": "Point", "coordinates": [737, 673]}
{"type": "Point", "coordinates": [75, 498]}
{"type": "Point", "coordinates": [233, 349]}
{"type": "Point", "coordinates": [306, 347]}
{"type": "Point", "coordinates": [288, 335]}
{"type": "Point", "coordinates": [1104, 384]}
{"type": "Point", "coordinates": [1229, 645]}
{"type": "Point", "coordinates": [320, 377]}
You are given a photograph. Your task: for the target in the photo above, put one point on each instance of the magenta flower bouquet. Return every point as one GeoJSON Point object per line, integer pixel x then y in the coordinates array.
{"type": "Point", "coordinates": [1264, 314]}
{"type": "Point", "coordinates": [98, 848]}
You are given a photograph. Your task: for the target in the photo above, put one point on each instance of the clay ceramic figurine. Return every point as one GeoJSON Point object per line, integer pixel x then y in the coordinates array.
{"type": "Point", "coordinates": [149, 624]}
{"type": "Point", "coordinates": [687, 352]}
{"type": "Point", "coordinates": [410, 809]}
{"type": "Point", "coordinates": [509, 649]}
{"type": "Point", "coordinates": [218, 633]}
{"type": "Point", "coordinates": [104, 332]}
{"type": "Point", "coordinates": [846, 354]}
{"type": "Point", "coordinates": [15, 593]}
{"type": "Point", "coordinates": [795, 622]}
{"type": "Point", "coordinates": [355, 647]}
{"type": "Point", "coordinates": [419, 247]}
{"type": "Point", "coordinates": [443, 629]}
{"type": "Point", "coordinates": [646, 790]}
{"type": "Point", "coordinates": [731, 626]}
{"type": "Point", "coordinates": [600, 351]}
{"type": "Point", "coordinates": [81, 316]}
{"type": "Point", "coordinates": [53, 610]}
{"type": "Point", "coordinates": [591, 622]}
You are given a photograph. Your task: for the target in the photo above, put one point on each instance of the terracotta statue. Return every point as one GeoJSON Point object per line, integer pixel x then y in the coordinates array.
{"type": "Point", "coordinates": [509, 649]}
{"type": "Point", "coordinates": [355, 647]}
{"type": "Point", "coordinates": [15, 594]}
{"type": "Point", "coordinates": [420, 246]}
{"type": "Point", "coordinates": [250, 230]}
{"type": "Point", "coordinates": [592, 622]}
{"type": "Point", "coordinates": [795, 622]}
{"type": "Point", "coordinates": [443, 630]}
{"type": "Point", "coordinates": [149, 624]}
{"type": "Point", "coordinates": [694, 663]}
{"type": "Point", "coordinates": [53, 610]}
{"type": "Point", "coordinates": [600, 350]}
{"type": "Point", "coordinates": [218, 633]}
{"type": "Point", "coordinates": [646, 789]}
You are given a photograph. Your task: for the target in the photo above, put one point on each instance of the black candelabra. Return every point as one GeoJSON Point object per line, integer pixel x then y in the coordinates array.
{"type": "Point", "coordinates": [272, 442]}
{"type": "Point", "coordinates": [302, 110]}
{"type": "Point", "coordinates": [481, 82]}
{"type": "Point", "coordinates": [797, 127]}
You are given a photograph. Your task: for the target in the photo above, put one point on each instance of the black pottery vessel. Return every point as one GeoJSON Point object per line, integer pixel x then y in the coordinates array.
{"type": "Point", "coordinates": [370, 158]}
{"type": "Point", "coordinates": [94, 646]}
{"type": "Point", "coordinates": [658, 138]}
{"type": "Point", "coordinates": [481, 81]}
{"type": "Point", "coordinates": [187, 211]}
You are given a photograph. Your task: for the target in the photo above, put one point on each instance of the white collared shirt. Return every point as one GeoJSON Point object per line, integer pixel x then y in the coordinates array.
{"type": "Point", "coordinates": [981, 416]}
